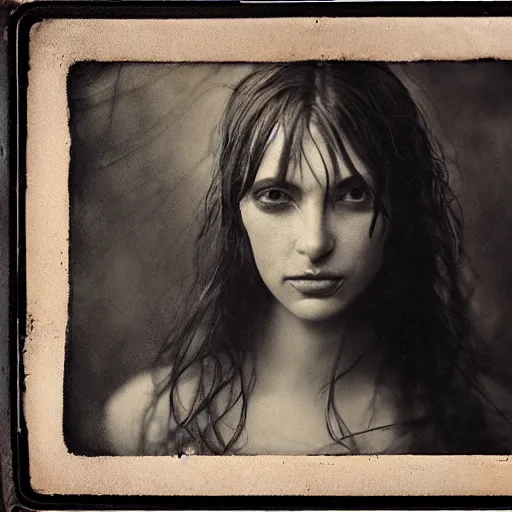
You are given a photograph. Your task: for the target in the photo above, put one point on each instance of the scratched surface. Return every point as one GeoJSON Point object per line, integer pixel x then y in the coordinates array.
{"type": "Point", "coordinates": [143, 146]}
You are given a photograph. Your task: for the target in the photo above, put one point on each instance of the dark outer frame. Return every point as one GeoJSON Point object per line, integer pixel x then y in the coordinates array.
{"type": "Point", "coordinates": [14, 449]}
{"type": "Point", "coordinates": [7, 491]}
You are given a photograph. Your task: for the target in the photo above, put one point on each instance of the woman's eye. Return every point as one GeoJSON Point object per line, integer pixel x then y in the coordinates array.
{"type": "Point", "coordinates": [273, 198]}
{"type": "Point", "coordinates": [355, 195]}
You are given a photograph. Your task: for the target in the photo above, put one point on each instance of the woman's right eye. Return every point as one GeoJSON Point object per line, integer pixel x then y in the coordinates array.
{"type": "Point", "coordinates": [273, 198]}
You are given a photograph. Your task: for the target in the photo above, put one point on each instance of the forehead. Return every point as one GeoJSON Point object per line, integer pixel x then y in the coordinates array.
{"type": "Point", "coordinates": [315, 166]}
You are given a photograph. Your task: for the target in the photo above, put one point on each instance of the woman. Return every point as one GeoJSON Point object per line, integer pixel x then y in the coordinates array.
{"type": "Point", "coordinates": [328, 314]}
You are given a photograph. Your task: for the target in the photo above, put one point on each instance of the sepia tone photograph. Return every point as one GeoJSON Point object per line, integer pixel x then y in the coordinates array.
{"type": "Point", "coordinates": [274, 266]}
{"type": "Point", "coordinates": [295, 258]}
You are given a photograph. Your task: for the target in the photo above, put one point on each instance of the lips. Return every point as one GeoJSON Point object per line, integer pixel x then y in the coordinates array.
{"type": "Point", "coordinates": [320, 286]}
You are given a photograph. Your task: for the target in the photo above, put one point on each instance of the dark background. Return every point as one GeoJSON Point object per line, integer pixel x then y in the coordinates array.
{"type": "Point", "coordinates": [144, 138]}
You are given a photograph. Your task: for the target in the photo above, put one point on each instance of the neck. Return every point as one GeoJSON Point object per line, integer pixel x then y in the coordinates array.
{"type": "Point", "coordinates": [301, 354]}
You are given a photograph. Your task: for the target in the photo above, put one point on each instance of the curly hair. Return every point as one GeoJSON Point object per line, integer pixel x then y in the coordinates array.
{"type": "Point", "coordinates": [416, 304]}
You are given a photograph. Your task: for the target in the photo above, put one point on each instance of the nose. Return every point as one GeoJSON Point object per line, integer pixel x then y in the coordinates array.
{"type": "Point", "coordinates": [315, 239]}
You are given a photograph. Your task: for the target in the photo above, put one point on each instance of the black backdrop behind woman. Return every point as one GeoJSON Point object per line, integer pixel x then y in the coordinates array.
{"type": "Point", "coordinates": [143, 146]}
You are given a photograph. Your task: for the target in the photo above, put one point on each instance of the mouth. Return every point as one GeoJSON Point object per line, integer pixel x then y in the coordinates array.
{"type": "Point", "coordinates": [318, 286]}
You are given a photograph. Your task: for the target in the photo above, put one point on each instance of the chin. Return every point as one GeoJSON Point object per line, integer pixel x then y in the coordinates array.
{"type": "Point", "coordinates": [317, 310]}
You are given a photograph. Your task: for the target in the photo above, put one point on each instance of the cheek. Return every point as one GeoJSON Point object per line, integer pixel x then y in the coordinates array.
{"type": "Point", "coordinates": [269, 237]}
{"type": "Point", "coordinates": [362, 252]}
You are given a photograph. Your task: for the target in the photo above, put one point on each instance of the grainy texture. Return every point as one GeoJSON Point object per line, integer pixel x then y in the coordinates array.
{"type": "Point", "coordinates": [143, 139]}
{"type": "Point", "coordinates": [143, 147]}
{"type": "Point", "coordinates": [56, 45]}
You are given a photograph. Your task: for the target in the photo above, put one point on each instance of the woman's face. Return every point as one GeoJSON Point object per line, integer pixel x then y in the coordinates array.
{"type": "Point", "coordinates": [310, 231]}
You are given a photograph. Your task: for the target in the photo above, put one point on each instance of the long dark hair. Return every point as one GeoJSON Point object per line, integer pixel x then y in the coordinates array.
{"type": "Point", "coordinates": [421, 312]}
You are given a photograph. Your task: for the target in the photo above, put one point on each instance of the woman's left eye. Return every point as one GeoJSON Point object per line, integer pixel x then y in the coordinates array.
{"type": "Point", "coordinates": [357, 194]}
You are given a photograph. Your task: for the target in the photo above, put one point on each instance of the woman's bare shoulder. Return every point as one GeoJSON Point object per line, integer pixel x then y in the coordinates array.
{"type": "Point", "coordinates": [126, 410]}
{"type": "Point", "coordinates": [134, 407]}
